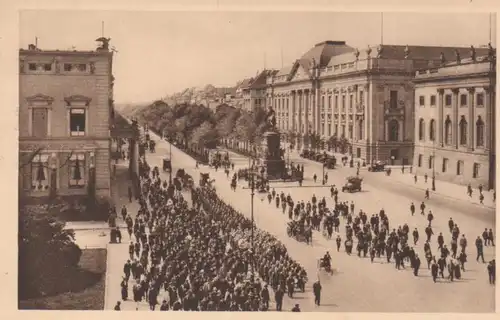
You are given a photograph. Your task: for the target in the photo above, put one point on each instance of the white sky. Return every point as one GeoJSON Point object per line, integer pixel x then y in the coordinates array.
{"type": "Point", "coordinates": [165, 52]}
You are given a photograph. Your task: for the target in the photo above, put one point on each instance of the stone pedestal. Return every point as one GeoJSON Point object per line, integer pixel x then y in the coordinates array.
{"type": "Point", "coordinates": [271, 156]}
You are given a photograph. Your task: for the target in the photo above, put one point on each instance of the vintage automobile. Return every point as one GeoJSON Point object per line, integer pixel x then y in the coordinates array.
{"type": "Point", "coordinates": [330, 162]}
{"type": "Point", "coordinates": [353, 184]}
{"type": "Point", "coordinates": [377, 166]}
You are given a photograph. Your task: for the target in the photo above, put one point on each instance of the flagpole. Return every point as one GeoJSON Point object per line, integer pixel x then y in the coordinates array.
{"type": "Point", "coordinates": [491, 18]}
{"type": "Point", "coordinates": [102, 28]}
{"type": "Point", "coordinates": [381, 28]}
{"type": "Point", "coordinates": [281, 49]}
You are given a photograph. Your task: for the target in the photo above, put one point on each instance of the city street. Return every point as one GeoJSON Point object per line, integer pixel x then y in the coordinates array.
{"type": "Point", "coordinates": [358, 285]}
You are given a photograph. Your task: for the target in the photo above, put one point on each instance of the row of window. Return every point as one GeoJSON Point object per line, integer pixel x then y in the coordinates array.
{"type": "Point", "coordinates": [67, 67]}
{"type": "Point", "coordinates": [479, 100]}
{"type": "Point", "coordinates": [327, 129]}
{"type": "Point", "coordinates": [445, 165]}
{"type": "Point", "coordinates": [40, 122]}
{"type": "Point", "coordinates": [462, 126]}
{"type": "Point", "coordinates": [40, 177]}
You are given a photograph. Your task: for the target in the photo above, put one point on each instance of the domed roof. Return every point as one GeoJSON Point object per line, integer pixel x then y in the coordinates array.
{"type": "Point", "coordinates": [323, 51]}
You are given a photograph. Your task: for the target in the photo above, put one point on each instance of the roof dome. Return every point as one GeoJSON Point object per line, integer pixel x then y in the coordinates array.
{"type": "Point", "coordinates": [323, 51]}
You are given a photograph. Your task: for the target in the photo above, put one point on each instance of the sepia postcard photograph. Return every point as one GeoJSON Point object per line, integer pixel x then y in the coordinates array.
{"type": "Point", "coordinates": [271, 161]}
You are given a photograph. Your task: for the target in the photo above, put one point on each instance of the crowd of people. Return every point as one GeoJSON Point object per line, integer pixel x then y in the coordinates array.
{"type": "Point", "coordinates": [198, 256]}
{"type": "Point", "coordinates": [372, 235]}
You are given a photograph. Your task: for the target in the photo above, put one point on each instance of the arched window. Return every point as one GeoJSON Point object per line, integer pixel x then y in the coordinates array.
{"type": "Point", "coordinates": [463, 131]}
{"type": "Point", "coordinates": [432, 130]}
{"type": "Point", "coordinates": [421, 129]}
{"type": "Point", "coordinates": [447, 131]}
{"type": "Point", "coordinates": [393, 130]}
{"type": "Point", "coordinates": [479, 132]}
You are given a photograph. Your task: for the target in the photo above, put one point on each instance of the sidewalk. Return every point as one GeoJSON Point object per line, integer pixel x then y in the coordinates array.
{"type": "Point", "coordinates": [117, 254]}
{"type": "Point", "coordinates": [443, 188]}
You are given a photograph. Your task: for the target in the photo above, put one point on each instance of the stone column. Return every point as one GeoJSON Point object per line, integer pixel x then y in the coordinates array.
{"type": "Point", "coordinates": [355, 114]}
{"type": "Point", "coordinates": [455, 107]}
{"type": "Point", "coordinates": [440, 121]}
{"type": "Point", "coordinates": [318, 112]}
{"type": "Point", "coordinates": [472, 120]}
{"type": "Point", "coordinates": [367, 113]}
{"type": "Point", "coordinates": [305, 97]}
{"type": "Point", "coordinates": [489, 122]}
{"type": "Point", "coordinates": [299, 111]}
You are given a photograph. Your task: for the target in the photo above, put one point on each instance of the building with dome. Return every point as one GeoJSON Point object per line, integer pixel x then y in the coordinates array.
{"type": "Point", "coordinates": [365, 95]}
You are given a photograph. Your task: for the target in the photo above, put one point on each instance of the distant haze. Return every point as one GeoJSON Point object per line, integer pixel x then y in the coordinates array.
{"type": "Point", "coordinates": [160, 53]}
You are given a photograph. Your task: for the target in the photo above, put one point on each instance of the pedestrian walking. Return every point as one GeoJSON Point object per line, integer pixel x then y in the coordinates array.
{"type": "Point", "coordinates": [317, 292]}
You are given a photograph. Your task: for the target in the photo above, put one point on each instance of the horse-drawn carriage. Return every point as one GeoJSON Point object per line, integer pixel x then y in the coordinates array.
{"type": "Point", "coordinates": [204, 179]}
{"type": "Point", "coordinates": [297, 230]}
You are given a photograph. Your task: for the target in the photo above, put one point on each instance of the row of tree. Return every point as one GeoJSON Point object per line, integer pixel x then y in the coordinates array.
{"type": "Point", "coordinates": [200, 126]}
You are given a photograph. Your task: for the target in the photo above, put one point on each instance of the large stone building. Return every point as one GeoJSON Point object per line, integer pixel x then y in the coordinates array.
{"type": "Point", "coordinates": [65, 112]}
{"type": "Point", "coordinates": [366, 96]}
{"type": "Point", "coordinates": [253, 91]}
{"type": "Point", "coordinates": [455, 121]}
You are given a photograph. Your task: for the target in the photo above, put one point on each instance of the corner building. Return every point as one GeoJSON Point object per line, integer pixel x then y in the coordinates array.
{"type": "Point", "coordinates": [65, 109]}
{"type": "Point", "coordinates": [367, 96]}
{"type": "Point", "coordinates": [455, 122]}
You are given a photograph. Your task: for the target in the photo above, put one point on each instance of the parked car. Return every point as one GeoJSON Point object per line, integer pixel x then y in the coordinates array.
{"type": "Point", "coordinates": [378, 166]}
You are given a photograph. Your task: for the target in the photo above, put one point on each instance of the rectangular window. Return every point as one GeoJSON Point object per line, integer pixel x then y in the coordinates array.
{"type": "Point", "coordinates": [32, 66]}
{"type": "Point", "coordinates": [431, 161]}
{"type": "Point", "coordinates": [351, 102]}
{"type": "Point", "coordinates": [463, 100]}
{"type": "Point", "coordinates": [336, 103]}
{"type": "Point", "coordinates": [433, 101]}
{"type": "Point", "coordinates": [343, 103]}
{"type": "Point", "coordinates": [77, 171]}
{"type": "Point", "coordinates": [322, 130]}
{"type": "Point", "coordinates": [329, 130]}
{"type": "Point", "coordinates": [47, 66]}
{"type": "Point", "coordinates": [445, 165]}
{"type": "Point", "coordinates": [447, 100]}
{"type": "Point", "coordinates": [421, 101]}
{"type": "Point", "coordinates": [393, 99]}
{"type": "Point", "coordinates": [343, 130]}
{"type": "Point", "coordinates": [420, 160]}
{"type": "Point", "coordinates": [350, 131]}
{"type": "Point", "coordinates": [460, 167]}
{"type": "Point", "coordinates": [40, 173]}
{"type": "Point", "coordinates": [361, 98]}
{"type": "Point", "coordinates": [68, 67]}
{"type": "Point", "coordinates": [39, 122]}
{"type": "Point", "coordinates": [77, 122]}
{"type": "Point", "coordinates": [480, 99]}
{"type": "Point", "coordinates": [475, 170]}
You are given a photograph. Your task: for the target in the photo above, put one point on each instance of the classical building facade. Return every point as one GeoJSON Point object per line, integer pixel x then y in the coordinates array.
{"type": "Point", "coordinates": [366, 96]}
{"type": "Point", "coordinates": [254, 90]}
{"type": "Point", "coordinates": [65, 112]}
{"type": "Point", "coordinates": [455, 121]}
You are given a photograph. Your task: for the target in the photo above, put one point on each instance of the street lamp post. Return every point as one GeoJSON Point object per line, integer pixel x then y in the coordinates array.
{"type": "Point", "coordinates": [170, 173]}
{"type": "Point", "coordinates": [433, 163]}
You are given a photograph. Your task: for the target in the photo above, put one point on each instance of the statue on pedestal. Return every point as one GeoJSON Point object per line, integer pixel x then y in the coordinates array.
{"type": "Point", "coordinates": [271, 120]}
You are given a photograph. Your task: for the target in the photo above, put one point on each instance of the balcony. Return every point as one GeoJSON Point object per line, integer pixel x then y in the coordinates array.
{"type": "Point", "coordinates": [399, 110]}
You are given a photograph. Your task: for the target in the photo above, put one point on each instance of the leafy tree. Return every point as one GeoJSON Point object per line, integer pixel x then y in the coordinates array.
{"type": "Point", "coordinates": [343, 144]}
{"type": "Point", "coordinates": [333, 142]}
{"type": "Point", "coordinates": [47, 253]}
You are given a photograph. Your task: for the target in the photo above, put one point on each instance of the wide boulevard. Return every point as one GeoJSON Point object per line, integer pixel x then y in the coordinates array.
{"type": "Point", "coordinates": [358, 285]}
